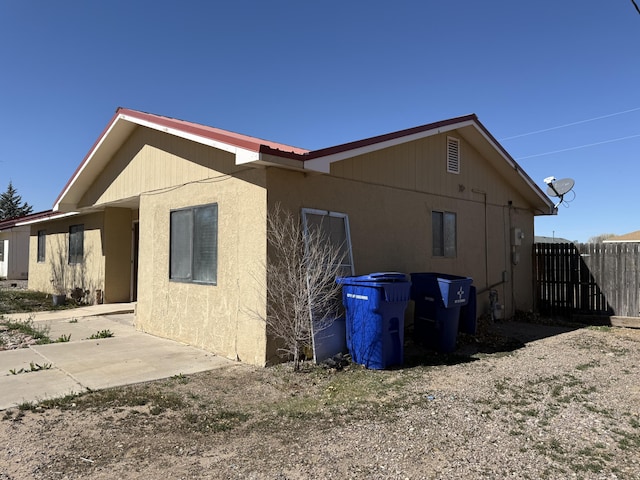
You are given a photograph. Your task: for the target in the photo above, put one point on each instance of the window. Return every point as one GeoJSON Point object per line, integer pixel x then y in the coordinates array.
{"type": "Point", "coordinates": [194, 244]}
{"type": "Point", "coordinates": [76, 244]}
{"type": "Point", "coordinates": [453, 155]}
{"type": "Point", "coordinates": [336, 227]}
{"type": "Point", "coordinates": [42, 240]}
{"type": "Point", "coordinates": [443, 226]}
{"type": "Point", "coordinates": [1, 250]}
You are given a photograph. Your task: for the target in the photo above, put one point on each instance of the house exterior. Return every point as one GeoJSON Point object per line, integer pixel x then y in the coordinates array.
{"type": "Point", "coordinates": [14, 247]}
{"type": "Point", "coordinates": [172, 215]}
{"type": "Point", "coordinates": [541, 239]}
{"type": "Point", "coordinates": [632, 237]}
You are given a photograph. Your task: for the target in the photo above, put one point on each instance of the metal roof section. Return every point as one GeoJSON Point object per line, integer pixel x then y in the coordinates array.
{"type": "Point", "coordinates": [320, 160]}
{"type": "Point", "coordinates": [246, 149]}
{"type": "Point", "coordinates": [249, 150]}
{"type": "Point", "coordinates": [468, 127]}
{"type": "Point", "coordinates": [51, 215]}
{"type": "Point", "coordinates": [25, 220]}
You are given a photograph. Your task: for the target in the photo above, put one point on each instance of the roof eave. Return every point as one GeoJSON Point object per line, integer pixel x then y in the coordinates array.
{"type": "Point", "coordinates": [53, 216]}
{"type": "Point", "coordinates": [320, 160]}
{"type": "Point", "coordinates": [249, 150]}
{"type": "Point", "coordinates": [549, 207]}
{"type": "Point", "coordinates": [246, 149]}
{"type": "Point", "coordinates": [64, 202]}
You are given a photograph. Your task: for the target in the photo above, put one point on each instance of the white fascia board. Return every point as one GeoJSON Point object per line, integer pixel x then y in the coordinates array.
{"type": "Point", "coordinates": [323, 164]}
{"type": "Point", "coordinates": [242, 155]}
{"type": "Point", "coordinates": [56, 207]}
{"type": "Point", "coordinates": [65, 207]}
{"type": "Point", "coordinates": [46, 219]}
{"type": "Point", "coordinates": [246, 156]}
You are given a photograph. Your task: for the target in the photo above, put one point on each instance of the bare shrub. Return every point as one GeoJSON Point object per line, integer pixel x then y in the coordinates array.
{"type": "Point", "coordinates": [302, 294]}
{"type": "Point", "coordinates": [70, 279]}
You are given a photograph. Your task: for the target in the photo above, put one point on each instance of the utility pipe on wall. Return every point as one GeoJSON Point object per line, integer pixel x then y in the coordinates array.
{"type": "Point", "coordinates": [486, 238]}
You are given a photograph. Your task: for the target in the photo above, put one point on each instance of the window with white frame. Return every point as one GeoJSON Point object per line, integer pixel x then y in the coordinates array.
{"type": "Point", "coordinates": [42, 241]}
{"type": "Point", "coordinates": [193, 255]}
{"type": "Point", "coordinates": [1, 250]}
{"type": "Point", "coordinates": [336, 227]}
{"type": "Point", "coordinates": [76, 244]}
{"type": "Point", "coordinates": [443, 227]}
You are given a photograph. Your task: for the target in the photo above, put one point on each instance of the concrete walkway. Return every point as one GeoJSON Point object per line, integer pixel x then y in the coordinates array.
{"type": "Point", "coordinates": [128, 357]}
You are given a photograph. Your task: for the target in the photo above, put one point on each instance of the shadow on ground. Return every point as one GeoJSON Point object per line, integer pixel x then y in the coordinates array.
{"type": "Point", "coordinates": [495, 338]}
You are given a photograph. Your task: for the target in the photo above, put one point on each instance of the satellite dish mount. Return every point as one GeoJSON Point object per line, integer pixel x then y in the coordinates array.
{"type": "Point", "coordinates": [559, 188]}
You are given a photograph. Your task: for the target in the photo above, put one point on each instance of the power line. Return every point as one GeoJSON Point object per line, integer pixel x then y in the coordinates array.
{"type": "Point", "coordinates": [580, 146]}
{"type": "Point", "coordinates": [570, 124]}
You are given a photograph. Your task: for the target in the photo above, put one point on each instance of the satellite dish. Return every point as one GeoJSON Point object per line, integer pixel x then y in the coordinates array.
{"type": "Point", "coordinates": [559, 188]}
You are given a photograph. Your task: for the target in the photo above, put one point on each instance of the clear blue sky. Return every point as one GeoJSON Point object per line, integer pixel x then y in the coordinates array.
{"type": "Point", "coordinates": [316, 74]}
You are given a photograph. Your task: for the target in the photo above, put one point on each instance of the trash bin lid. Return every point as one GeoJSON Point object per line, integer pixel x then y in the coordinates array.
{"type": "Point", "coordinates": [452, 290]}
{"type": "Point", "coordinates": [378, 277]}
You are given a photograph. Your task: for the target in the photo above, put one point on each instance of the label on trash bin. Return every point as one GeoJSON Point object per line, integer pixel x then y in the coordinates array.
{"type": "Point", "coordinates": [357, 297]}
{"type": "Point", "coordinates": [460, 294]}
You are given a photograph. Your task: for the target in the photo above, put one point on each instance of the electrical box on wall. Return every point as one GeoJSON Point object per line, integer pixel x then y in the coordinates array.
{"type": "Point", "coordinates": [516, 236]}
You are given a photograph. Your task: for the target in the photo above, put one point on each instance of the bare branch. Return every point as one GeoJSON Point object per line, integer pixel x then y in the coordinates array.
{"type": "Point", "coordinates": [302, 294]}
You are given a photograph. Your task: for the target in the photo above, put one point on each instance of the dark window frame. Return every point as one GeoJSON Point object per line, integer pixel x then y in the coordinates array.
{"type": "Point", "coordinates": [191, 235]}
{"type": "Point", "coordinates": [444, 234]}
{"type": "Point", "coordinates": [42, 246]}
{"type": "Point", "coordinates": [76, 244]}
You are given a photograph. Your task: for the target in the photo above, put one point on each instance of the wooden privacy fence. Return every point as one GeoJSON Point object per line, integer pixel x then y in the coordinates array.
{"type": "Point", "coordinates": [587, 278]}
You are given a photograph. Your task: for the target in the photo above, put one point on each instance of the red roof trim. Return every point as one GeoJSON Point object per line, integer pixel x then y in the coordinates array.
{"type": "Point", "coordinates": [253, 143]}
{"type": "Point", "coordinates": [26, 218]}
{"type": "Point", "coordinates": [387, 137]}
{"type": "Point", "coordinates": [237, 139]}
{"type": "Point", "coordinates": [345, 147]}
{"type": "Point", "coordinates": [278, 149]}
{"type": "Point", "coordinates": [216, 134]}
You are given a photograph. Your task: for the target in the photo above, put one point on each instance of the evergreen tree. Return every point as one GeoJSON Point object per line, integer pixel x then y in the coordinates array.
{"type": "Point", "coordinates": [11, 205]}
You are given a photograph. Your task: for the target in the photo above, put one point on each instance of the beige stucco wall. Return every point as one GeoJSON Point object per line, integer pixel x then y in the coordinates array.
{"type": "Point", "coordinates": [151, 161]}
{"type": "Point", "coordinates": [222, 318]}
{"type": "Point", "coordinates": [154, 173]}
{"type": "Point", "coordinates": [88, 275]}
{"type": "Point", "coordinates": [389, 196]}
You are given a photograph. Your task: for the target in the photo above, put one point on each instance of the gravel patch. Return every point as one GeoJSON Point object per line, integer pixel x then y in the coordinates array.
{"type": "Point", "coordinates": [13, 284]}
{"type": "Point", "coordinates": [560, 406]}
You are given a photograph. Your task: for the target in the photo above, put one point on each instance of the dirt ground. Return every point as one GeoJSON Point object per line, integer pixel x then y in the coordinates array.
{"type": "Point", "coordinates": [525, 401]}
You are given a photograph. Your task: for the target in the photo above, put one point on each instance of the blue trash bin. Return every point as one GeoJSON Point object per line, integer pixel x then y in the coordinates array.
{"type": "Point", "coordinates": [438, 299]}
{"type": "Point", "coordinates": [469, 315]}
{"type": "Point", "coordinates": [375, 306]}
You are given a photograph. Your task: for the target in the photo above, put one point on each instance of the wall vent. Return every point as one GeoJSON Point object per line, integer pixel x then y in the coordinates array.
{"type": "Point", "coordinates": [453, 155]}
